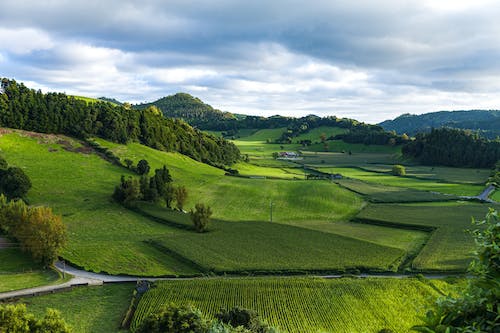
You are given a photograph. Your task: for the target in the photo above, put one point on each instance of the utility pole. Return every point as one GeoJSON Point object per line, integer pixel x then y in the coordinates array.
{"type": "Point", "coordinates": [271, 212]}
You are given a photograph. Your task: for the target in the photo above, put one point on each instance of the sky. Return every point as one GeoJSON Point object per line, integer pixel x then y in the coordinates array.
{"type": "Point", "coordinates": [369, 60]}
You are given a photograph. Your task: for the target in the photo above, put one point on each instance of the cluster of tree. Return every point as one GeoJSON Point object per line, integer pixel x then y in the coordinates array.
{"type": "Point", "coordinates": [16, 318]}
{"type": "Point", "coordinates": [476, 308]}
{"type": "Point", "coordinates": [190, 109]}
{"type": "Point", "coordinates": [32, 110]}
{"type": "Point", "coordinates": [39, 231]}
{"type": "Point", "coordinates": [152, 189]}
{"type": "Point", "coordinates": [201, 216]}
{"type": "Point", "coordinates": [452, 147]}
{"type": "Point", "coordinates": [486, 123]}
{"type": "Point", "coordinates": [372, 135]}
{"type": "Point", "coordinates": [14, 183]}
{"type": "Point", "coordinates": [186, 319]}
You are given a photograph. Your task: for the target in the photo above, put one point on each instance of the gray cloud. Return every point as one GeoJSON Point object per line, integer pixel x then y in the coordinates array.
{"type": "Point", "coordinates": [364, 59]}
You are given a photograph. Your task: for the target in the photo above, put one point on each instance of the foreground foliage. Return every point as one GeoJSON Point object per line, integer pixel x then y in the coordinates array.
{"type": "Point", "coordinates": [476, 309]}
{"type": "Point", "coordinates": [16, 319]}
{"type": "Point", "coordinates": [39, 231]}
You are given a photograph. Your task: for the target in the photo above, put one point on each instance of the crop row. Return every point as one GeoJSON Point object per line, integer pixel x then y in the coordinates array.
{"type": "Point", "coordinates": [301, 304]}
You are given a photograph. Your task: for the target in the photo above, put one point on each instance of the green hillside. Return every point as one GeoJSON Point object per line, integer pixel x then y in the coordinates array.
{"type": "Point", "coordinates": [485, 122]}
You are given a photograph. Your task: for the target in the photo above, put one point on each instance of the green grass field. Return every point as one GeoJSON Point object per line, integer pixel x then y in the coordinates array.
{"type": "Point", "coordinates": [264, 247]}
{"type": "Point", "coordinates": [102, 235]}
{"type": "Point", "coordinates": [407, 182]}
{"type": "Point", "coordinates": [440, 173]}
{"type": "Point", "coordinates": [248, 199]}
{"type": "Point", "coordinates": [389, 194]}
{"type": "Point", "coordinates": [249, 170]}
{"type": "Point", "coordinates": [303, 304]}
{"type": "Point", "coordinates": [324, 159]}
{"type": "Point", "coordinates": [355, 148]}
{"type": "Point", "coordinates": [262, 135]}
{"type": "Point", "coordinates": [315, 133]}
{"type": "Point", "coordinates": [496, 196]}
{"type": "Point", "coordinates": [98, 309]}
{"type": "Point", "coordinates": [450, 246]}
{"type": "Point", "coordinates": [18, 271]}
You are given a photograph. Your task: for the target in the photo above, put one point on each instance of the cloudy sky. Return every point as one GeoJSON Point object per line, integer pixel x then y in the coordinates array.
{"type": "Point", "coordinates": [366, 59]}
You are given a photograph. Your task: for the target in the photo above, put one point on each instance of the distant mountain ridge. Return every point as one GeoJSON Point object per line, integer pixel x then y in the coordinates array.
{"type": "Point", "coordinates": [188, 108]}
{"type": "Point", "coordinates": [485, 122]}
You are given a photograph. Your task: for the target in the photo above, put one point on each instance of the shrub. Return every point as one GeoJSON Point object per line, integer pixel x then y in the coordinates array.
{"type": "Point", "coordinates": [398, 170]}
{"type": "Point", "coordinates": [201, 217]}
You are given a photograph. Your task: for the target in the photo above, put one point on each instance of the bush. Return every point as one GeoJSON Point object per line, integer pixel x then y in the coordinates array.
{"type": "Point", "coordinates": [14, 183]}
{"type": "Point", "coordinates": [201, 217]}
{"type": "Point", "coordinates": [398, 170]}
{"type": "Point", "coordinates": [15, 318]}
{"type": "Point", "coordinates": [174, 319]}
{"type": "Point", "coordinates": [143, 167]}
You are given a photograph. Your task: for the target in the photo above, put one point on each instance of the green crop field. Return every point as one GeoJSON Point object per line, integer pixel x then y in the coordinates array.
{"type": "Point", "coordinates": [249, 170]}
{"type": "Point", "coordinates": [103, 236]}
{"type": "Point", "coordinates": [265, 246]}
{"type": "Point", "coordinates": [339, 146]}
{"type": "Point", "coordinates": [407, 182]}
{"type": "Point", "coordinates": [382, 193]}
{"type": "Point", "coordinates": [446, 174]}
{"type": "Point", "coordinates": [98, 309]}
{"type": "Point", "coordinates": [450, 246]}
{"type": "Point", "coordinates": [18, 271]}
{"type": "Point", "coordinates": [324, 159]}
{"type": "Point", "coordinates": [303, 304]}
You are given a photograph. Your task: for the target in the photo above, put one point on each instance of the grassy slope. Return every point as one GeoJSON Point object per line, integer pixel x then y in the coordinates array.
{"type": "Point", "coordinates": [449, 247]}
{"type": "Point", "coordinates": [304, 305]}
{"type": "Point", "coordinates": [496, 196]}
{"type": "Point", "coordinates": [315, 133]}
{"type": "Point", "coordinates": [103, 236]}
{"type": "Point", "coordinates": [293, 200]}
{"type": "Point", "coordinates": [18, 271]}
{"type": "Point", "coordinates": [408, 182]}
{"type": "Point", "coordinates": [344, 159]}
{"type": "Point", "coordinates": [262, 135]}
{"type": "Point", "coordinates": [87, 309]}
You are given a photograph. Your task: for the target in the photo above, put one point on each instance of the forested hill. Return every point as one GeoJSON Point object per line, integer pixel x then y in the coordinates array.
{"type": "Point", "coordinates": [28, 109]}
{"type": "Point", "coordinates": [190, 109]}
{"type": "Point", "coordinates": [485, 122]}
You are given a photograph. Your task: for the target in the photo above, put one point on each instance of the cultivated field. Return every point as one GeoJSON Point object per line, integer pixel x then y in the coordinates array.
{"type": "Point", "coordinates": [304, 304]}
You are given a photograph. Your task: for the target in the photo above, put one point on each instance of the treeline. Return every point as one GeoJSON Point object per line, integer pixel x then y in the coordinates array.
{"type": "Point", "coordinates": [27, 109]}
{"type": "Point", "coordinates": [372, 135]}
{"type": "Point", "coordinates": [453, 147]}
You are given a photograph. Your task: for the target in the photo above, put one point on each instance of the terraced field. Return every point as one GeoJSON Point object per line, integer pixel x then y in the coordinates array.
{"type": "Point", "coordinates": [303, 304]}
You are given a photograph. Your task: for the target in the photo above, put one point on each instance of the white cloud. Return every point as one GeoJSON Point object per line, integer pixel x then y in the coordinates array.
{"type": "Point", "coordinates": [24, 41]}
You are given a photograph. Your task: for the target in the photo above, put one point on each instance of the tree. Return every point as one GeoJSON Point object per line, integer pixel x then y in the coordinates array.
{"type": "Point", "coordinates": [15, 318]}
{"type": "Point", "coordinates": [181, 196]}
{"type": "Point", "coordinates": [476, 308]}
{"type": "Point", "coordinates": [143, 167]}
{"type": "Point", "coordinates": [14, 182]}
{"type": "Point", "coordinates": [128, 163]}
{"type": "Point", "coordinates": [174, 319]}
{"type": "Point", "coordinates": [398, 170]}
{"type": "Point", "coordinates": [201, 217]}
{"type": "Point", "coordinates": [168, 194]}
{"type": "Point", "coordinates": [129, 190]}
{"type": "Point", "coordinates": [322, 137]}
{"type": "Point", "coordinates": [245, 318]}
{"type": "Point", "coordinates": [43, 236]}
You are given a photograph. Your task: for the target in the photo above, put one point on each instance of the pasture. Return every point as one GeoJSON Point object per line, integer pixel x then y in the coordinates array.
{"type": "Point", "coordinates": [449, 246]}
{"type": "Point", "coordinates": [96, 309]}
{"type": "Point", "coordinates": [18, 271]}
{"type": "Point", "coordinates": [388, 179]}
{"type": "Point", "coordinates": [304, 304]}
{"type": "Point", "coordinates": [262, 247]}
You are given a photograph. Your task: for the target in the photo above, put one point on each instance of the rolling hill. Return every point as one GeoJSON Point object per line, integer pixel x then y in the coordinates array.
{"type": "Point", "coordinates": [486, 122]}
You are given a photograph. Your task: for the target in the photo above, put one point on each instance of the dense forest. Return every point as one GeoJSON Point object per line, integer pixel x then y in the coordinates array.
{"type": "Point", "coordinates": [190, 109]}
{"type": "Point", "coordinates": [453, 147]}
{"type": "Point", "coordinates": [484, 122]}
{"type": "Point", "coordinates": [28, 109]}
